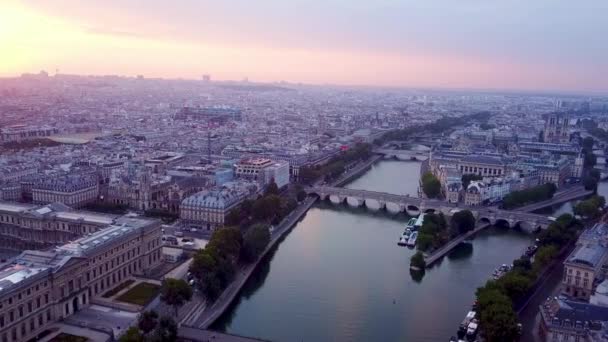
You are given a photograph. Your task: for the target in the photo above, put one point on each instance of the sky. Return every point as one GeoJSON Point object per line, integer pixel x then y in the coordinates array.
{"type": "Point", "coordinates": [481, 44]}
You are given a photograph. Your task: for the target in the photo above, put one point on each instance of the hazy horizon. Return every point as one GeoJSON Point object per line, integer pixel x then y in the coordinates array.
{"type": "Point", "coordinates": [547, 46]}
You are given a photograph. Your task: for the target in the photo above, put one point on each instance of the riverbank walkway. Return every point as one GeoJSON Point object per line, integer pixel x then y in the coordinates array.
{"type": "Point", "coordinates": [203, 335]}
{"type": "Point", "coordinates": [206, 315]}
{"type": "Point", "coordinates": [356, 171]}
{"type": "Point", "coordinates": [445, 249]}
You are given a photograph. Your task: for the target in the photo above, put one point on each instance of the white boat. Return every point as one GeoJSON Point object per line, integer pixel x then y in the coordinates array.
{"type": "Point", "coordinates": [462, 330]}
{"type": "Point", "coordinates": [472, 329]}
{"type": "Point", "coordinates": [402, 241]}
{"type": "Point", "coordinates": [419, 222]}
{"type": "Point", "coordinates": [412, 240]}
{"type": "Point", "coordinates": [411, 223]}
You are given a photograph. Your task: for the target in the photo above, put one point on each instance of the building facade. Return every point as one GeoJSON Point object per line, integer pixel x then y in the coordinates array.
{"type": "Point", "coordinates": [556, 128]}
{"type": "Point", "coordinates": [585, 267]}
{"type": "Point", "coordinates": [208, 209]}
{"type": "Point", "coordinates": [40, 288]}
{"type": "Point", "coordinates": [73, 190]}
{"type": "Point", "coordinates": [26, 226]}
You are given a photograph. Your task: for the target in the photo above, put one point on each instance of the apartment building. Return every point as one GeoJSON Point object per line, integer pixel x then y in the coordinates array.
{"type": "Point", "coordinates": [585, 267]}
{"type": "Point", "coordinates": [208, 209]}
{"type": "Point", "coordinates": [73, 190]}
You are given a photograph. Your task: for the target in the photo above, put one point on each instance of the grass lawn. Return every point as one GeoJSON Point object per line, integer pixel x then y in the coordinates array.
{"type": "Point", "coordinates": [63, 337]}
{"type": "Point", "coordinates": [140, 294]}
{"type": "Point", "coordinates": [118, 288]}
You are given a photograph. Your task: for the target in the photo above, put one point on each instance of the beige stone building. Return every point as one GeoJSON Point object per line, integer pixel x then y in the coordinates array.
{"type": "Point", "coordinates": [26, 226]}
{"type": "Point", "coordinates": [585, 267]}
{"type": "Point", "coordinates": [42, 287]}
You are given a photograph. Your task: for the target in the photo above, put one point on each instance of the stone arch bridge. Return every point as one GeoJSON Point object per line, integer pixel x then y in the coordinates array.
{"type": "Point", "coordinates": [403, 154]}
{"type": "Point", "coordinates": [413, 206]}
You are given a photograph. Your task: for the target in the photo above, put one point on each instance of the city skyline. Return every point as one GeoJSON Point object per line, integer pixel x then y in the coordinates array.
{"type": "Point", "coordinates": [514, 45]}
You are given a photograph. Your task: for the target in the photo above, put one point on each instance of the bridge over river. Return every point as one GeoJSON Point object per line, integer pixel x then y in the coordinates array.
{"type": "Point", "coordinates": [403, 154]}
{"type": "Point", "coordinates": [413, 206]}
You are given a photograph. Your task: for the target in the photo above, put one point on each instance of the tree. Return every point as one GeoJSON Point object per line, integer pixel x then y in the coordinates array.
{"type": "Point", "coordinates": [589, 160]}
{"type": "Point", "coordinates": [234, 217]}
{"type": "Point", "coordinates": [147, 321]}
{"type": "Point", "coordinates": [590, 183]}
{"type": "Point", "coordinates": [255, 241]}
{"type": "Point", "coordinates": [272, 188]}
{"type": "Point", "coordinates": [431, 185]}
{"type": "Point", "coordinates": [166, 331]}
{"type": "Point", "coordinates": [463, 221]}
{"type": "Point", "coordinates": [132, 335]}
{"type": "Point", "coordinates": [591, 207]}
{"type": "Point", "coordinates": [499, 322]}
{"type": "Point", "coordinates": [301, 195]}
{"type": "Point", "coordinates": [175, 292]}
{"type": "Point", "coordinates": [544, 256]}
{"type": "Point", "coordinates": [497, 318]}
{"type": "Point", "coordinates": [522, 264]}
{"type": "Point", "coordinates": [424, 241]}
{"type": "Point", "coordinates": [227, 241]}
{"type": "Point", "coordinates": [417, 261]}
{"type": "Point", "coordinates": [515, 285]}
{"type": "Point", "coordinates": [588, 143]}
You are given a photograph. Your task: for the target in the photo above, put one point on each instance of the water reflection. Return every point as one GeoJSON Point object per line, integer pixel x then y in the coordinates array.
{"type": "Point", "coordinates": [417, 275]}
{"type": "Point", "coordinates": [462, 251]}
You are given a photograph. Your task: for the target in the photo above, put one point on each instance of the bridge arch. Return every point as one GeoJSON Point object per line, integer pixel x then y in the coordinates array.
{"type": "Point", "coordinates": [430, 211]}
{"type": "Point", "coordinates": [502, 223]}
{"type": "Point", "coordinates": [354, 201]}
{"type": "Point", "coordinates": [336, 199]}
{"type": "Point", "coordinates": [373, 204]}
{"type": "Point", "coordinates": [412, 210]}
{"type": "Point", "coordinates": [523, 225]}
{"type": "Point", "coordinates": [393, 208]}
{"type": "Point", "coordinates": [484, 220]}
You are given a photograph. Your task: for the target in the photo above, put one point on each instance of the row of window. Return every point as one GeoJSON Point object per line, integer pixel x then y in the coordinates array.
{"type": "Point", "coordinates": [485, 170]}
{"type": "Point", "coordinates": [17, 334]}
{"type": "Point", "coordinates": [26, 294]}
{"type": "Point", "coordinates": [23, 310]}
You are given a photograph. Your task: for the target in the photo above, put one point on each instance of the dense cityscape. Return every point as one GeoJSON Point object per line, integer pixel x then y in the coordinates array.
{"type": "Point", "coordinates": [303, 171]}
{"type": "Point", "coordinates": [136, 209]}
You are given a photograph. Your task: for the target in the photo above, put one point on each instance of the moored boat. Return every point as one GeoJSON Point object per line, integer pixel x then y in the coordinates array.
{"type": "Point", "coordinates": [412, 240]}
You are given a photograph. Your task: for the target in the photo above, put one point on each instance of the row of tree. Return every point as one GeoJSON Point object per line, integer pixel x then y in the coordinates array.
{"type": "Point", "coordinates": [523, 197]}
{"type": "Point", "coordinates": [151, 328]}
{"type": "Point", "coordinates": [435, 232]}
{"type": "Point", "coordinates": [270, 208]}
{"type": "Point", "coordinates": [431, 185]}
{"type": "Point", "coordinates": [590, 208]}
{"type": "Point", "coordinates": [497, 299]}
{"type": "Point", "coordinates": [439, 126]}
{"type": "Point", "coordinates": [214, 266]}
{"type": "Point", "coordinates": [336, 165]}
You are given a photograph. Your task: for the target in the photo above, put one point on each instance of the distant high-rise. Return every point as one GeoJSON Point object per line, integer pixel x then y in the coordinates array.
{"type": "Point", "coordinates": [556, 128]}
{"type": "Point", "coordinates": [206, 78]}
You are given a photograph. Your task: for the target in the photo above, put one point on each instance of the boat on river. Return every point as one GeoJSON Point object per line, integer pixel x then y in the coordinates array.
{"type": "Point", "coordinates": [411, 242]}
{"type": "Point", "coordinates": [411, 223]}
{"type": "Point", "coordinates": [462, 330]}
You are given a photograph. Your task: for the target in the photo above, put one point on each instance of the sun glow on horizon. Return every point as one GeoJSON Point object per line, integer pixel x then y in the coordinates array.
{"type": "Point", "coordinates": [32, 40]}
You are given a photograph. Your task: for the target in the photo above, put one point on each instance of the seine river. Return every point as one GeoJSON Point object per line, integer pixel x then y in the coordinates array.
{"type": "Point", "coordinates": [340, 276]}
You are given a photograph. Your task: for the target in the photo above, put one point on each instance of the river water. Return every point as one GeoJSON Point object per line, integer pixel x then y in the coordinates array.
{"type": "Point", "coordinates": [340, 276]}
